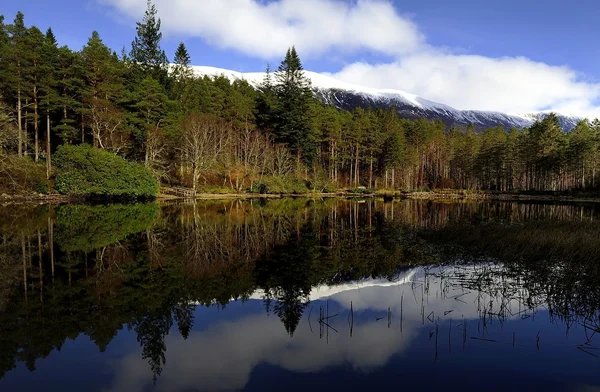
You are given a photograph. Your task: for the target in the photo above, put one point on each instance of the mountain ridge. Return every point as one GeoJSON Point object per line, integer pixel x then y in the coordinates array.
{"type": "Point", "coordinates": [349, 96]}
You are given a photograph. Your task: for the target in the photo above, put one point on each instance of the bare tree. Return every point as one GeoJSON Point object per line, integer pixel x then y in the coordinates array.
{"type": "Point", "coordinates": [202, 143]}
{"type": "Point", "coordinates": [107, 124]}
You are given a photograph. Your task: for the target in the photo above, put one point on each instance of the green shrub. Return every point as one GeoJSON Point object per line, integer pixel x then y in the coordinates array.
{"type": "Point", "coordinates": [86, 171]}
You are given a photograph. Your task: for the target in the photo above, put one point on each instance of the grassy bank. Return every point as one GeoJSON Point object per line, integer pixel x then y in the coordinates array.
{"type": "Point", "coordinates": [390, 194]}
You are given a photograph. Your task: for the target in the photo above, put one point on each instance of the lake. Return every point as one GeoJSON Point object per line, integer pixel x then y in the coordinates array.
{"type": "Point", "coordinates": [300, 295]}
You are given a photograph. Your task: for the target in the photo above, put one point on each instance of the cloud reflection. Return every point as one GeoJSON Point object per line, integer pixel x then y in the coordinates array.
{"type": "Point", "coordinates": [223, 356]}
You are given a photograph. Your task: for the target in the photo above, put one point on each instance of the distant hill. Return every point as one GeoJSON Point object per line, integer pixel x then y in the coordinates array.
{"type": "Point", "coordinates": [349, 96]}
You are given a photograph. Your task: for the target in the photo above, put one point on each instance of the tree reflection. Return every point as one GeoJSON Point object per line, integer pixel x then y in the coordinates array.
{"type": "Point", "coordinates": [72, 270]}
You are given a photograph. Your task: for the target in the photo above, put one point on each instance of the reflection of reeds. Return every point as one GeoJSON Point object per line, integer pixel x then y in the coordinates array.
{"type": "Point", "coordinates": [503, 293]}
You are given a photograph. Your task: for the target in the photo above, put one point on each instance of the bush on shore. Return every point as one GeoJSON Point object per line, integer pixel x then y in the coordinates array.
{"type": "Point", "coordinates": [86, 171]}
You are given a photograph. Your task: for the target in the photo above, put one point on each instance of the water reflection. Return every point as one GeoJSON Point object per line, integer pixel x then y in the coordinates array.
{"type": "Point", "coordinates": [207, 296]}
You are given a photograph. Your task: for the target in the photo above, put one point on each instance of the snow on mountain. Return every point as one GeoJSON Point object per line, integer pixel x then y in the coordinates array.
{"type": "Point", "coordinates": [349, 96]}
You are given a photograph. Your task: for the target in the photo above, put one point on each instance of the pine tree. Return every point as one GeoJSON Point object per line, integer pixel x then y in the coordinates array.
{"type": "Point", "coordinates": [392, 152]}
{"type": "Point", "coordinates": [293, 92]}
{"type": "Point", "coordinates": [265, 104]}
{"type": "Point", "coordinates": [182, 57]}
{"type": "Point", "coordinates": [104, 90]}
{"type": "Point", "coordinates": [545, 151]}
{"type": "Point", "coordinates": [48, 92]}
{"type": "Point", "coordinates": [583, 141]}
{"type": "Point", "coordinates": [14, 82]}
{"type": "Point", "coordinates": [145, 49]}
{"type": "Point", "coordinates": [150, 107]}
{"type": "Point", "coordinates": [35, 46]}
{"type": "Point", "coordinates": [4, 38]}
{"type": "Point", "coordinates": [182, 74]}
{"type": "Point", "coordinates": [70, 86]}
{"type": "Point", "coordinates": [239, 105]}
{"type": "Point", "coordinates": [50, 37]}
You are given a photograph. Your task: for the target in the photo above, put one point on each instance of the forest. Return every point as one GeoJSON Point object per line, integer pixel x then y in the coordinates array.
{"type": "Point", "coordinates": [113, 117]}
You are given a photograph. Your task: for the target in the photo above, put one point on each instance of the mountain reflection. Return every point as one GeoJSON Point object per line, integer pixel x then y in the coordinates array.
{"type": "Point", "coordinates": [326, 284]}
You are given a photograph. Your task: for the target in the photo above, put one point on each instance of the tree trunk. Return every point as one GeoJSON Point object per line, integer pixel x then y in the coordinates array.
{"type": "Point", "coordinates": [35, 122]}
{"type": "Point", "coordinates": [48, 155]}
{"type": "Point", "coordinates": [356, 168]}
{"type": "Point", "coordinates": [195, 179]}
{"type": "Point", "coordinates": [332, 162]}
{"type": "Point", "coordinates": [371, 173]}
{"type": "Point", "coordinates": [25, 138]}
{"type": "Point", "coordinates": [386, 179]}
{"type": "Point", "coordinates": [147, 155]}
{"type": "Point", "coordinates": [20, 123]}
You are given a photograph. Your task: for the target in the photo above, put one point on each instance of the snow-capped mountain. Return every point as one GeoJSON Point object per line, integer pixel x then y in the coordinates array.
{"type": "Point", "coordinates": [349, 96]}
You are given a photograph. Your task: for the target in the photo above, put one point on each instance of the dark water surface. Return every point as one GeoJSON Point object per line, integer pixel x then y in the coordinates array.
{"type": "Point", "coordinates": [300, 295]}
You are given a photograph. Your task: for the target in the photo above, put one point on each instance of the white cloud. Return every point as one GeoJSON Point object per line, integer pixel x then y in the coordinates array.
{"type": "Point", "coordinates": [512, 84]}
{"type": "Point", "coordinates": [266, 30]}
{"type": "Point", "coordinates": [321, 27]}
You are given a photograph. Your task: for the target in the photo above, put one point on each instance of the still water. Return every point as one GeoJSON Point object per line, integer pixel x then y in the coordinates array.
{"type": "Point", "coordinates": [300, 295]}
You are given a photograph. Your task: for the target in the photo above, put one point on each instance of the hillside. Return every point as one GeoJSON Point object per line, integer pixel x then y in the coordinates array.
{"type": "Point", "coordinates": [349, 96]}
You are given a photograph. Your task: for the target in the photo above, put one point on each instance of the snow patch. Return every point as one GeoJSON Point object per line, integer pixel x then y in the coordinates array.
{"type": "Point", "coordinates": [325, 84]}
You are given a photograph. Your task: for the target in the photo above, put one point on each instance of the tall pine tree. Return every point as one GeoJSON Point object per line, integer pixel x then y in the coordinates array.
{"type": "Point", "coordinates": [14, 80]}
{"type": "Point", "coordinates": [292, 113]}
{"type": "Point", "coordinates": [145, 48]}
{"type": "Point", "coordinates": [182, 75]}
{"type": "Point", "coordinates": [49, 95]}
{"type": "Point", "coordinates": [103, 76]}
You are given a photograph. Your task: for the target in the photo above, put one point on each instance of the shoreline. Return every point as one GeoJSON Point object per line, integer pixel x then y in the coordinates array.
{"type": "Point", "coordinates": [388, 196]}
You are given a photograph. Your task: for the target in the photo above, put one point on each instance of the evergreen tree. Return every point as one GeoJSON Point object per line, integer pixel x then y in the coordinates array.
{"type": "Point", "coordinates": [70, 86]}
{"type": "Point", "coordinates": [14, 77]}
{"type": "Point", "coordinates": [392, 152]}
{"type": "Point", "coordinates": [239, 105]}
{"type": "Point", "coordinates": [265, 104]}
{"type": "Point", "coordinates": [292, 113]}
{"type": "Point", "coordinates": [182, 74]}
{"type": "Point", "coordinates": [104, 90]}
{"type": "Point", "coordinates": [50, 37]}
{"type": "Point", "coordinates": [48, 87]}
{"type": "Point", "coordinates": [145, 49]}
{"type": "Point", "coordinates": [361, 122]}
{"type": "Point", "coordinates": [151, 107]}
{"type": "Point", "coordinates": [182, 57]}
{"type": "Point", "coordinates": [544, 153]}
{"type": "Point", "coordinates": [4, 38]}
{"type": "Point", "coordinates": [35, 73]}
{"type": "Point", "coordinates": [583, 148]}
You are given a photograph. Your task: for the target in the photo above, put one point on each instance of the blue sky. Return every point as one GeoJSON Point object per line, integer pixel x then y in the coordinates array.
{"type": "Point", "coordinates": [477, 47]}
